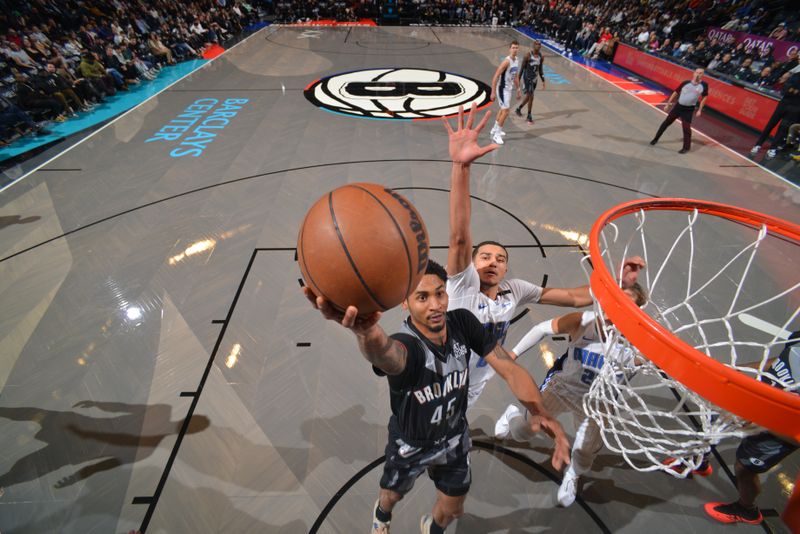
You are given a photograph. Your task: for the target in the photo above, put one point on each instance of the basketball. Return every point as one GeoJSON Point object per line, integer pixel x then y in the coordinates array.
{"type": "Point", "coordinates": [363, 245]}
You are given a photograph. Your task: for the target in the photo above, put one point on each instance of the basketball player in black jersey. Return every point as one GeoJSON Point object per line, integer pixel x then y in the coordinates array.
{"type": "Point", "coordinates": [427, 366]}
{"type": "Point", "coordinates": [530, 72]}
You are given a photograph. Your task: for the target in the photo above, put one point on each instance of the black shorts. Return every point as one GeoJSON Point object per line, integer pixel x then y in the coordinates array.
{"type": "Point", "coordinates": [528, 86]}
{"type": "Point", "coordinates": [761, 452]}
{"type": "Point", "coordinates": [447, 465]}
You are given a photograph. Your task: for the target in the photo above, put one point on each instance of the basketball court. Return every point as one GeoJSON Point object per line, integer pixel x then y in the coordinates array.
{"type": "Point", "coordinates": [161, 370]}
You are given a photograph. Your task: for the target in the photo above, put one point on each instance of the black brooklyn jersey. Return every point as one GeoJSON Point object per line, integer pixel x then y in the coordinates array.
{"type": "Point", "coordinates": [429, 398]}
{"type": "Point", "coordinates": [786, 367]}
{"type": "Point", "coordinates": [533, 68]}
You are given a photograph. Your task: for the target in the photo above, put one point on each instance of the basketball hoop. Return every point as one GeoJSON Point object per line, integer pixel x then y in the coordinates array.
{"type": "Point", "coordinates": [700, 337]}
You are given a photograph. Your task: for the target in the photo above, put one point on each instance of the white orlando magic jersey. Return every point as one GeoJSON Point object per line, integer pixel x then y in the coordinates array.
{"type": "Point", "coordinates": [576, 369]}
{"type": "Point", "coordinates": [464, 291]}
{"type": "Point", "coordinates": [506, 82]}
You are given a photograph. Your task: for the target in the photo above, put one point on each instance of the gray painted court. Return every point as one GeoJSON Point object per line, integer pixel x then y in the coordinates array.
{"type": "Point", "coordinates": [131, 279]}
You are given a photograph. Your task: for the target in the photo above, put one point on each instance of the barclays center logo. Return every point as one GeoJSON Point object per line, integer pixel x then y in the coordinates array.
{"type": "Point", "coordinates": [397, 93]}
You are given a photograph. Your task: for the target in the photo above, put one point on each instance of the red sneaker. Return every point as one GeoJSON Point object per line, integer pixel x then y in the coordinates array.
{"type": "Point", "coordinates": [733, 513]}
{"type": "Point", "coordinates": [705, 469]}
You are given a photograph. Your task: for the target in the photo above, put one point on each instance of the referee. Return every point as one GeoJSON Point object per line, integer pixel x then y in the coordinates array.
{"type": "Point", "coordinates": [688, 94]}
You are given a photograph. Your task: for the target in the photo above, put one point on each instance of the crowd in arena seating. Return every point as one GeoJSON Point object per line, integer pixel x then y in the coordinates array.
{"type": "Point", "coordinates": [58, 58]}
{"type": "Point", "coordinates": [62, 57]}
{"type": "Point", "coordinates": [673, 30]}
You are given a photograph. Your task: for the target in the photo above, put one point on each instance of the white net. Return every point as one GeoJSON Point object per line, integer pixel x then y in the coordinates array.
{"type": "Point", "coordinates": [728, 290]}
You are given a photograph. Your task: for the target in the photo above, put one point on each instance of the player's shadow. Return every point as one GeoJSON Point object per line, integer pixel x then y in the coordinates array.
{"type": "Point", "coordinates": [539, 132]}
{"type": "Point", "coordinates": [568, 113]}
{"type": "Point", "coordinates": [344, 436]}
{"type": "Point", "coordinates": [72, 438]}
{"type": "Point", "coordinates": [9, 220]}
{"type": "Point", "coordinates": [645, 141]}
{"type": "Point", "coordinates": [204, 508]}
{"type": "Point", "coordinates": [270, 464]}
{"type": "Point", "coordinates": [519, 521]}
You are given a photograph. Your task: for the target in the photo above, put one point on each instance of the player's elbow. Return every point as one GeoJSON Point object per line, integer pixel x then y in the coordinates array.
{"type": "Point", "coordinates": [459, 239]}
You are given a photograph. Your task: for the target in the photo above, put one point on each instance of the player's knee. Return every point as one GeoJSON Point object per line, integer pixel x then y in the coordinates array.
{"type": "Point", "coordinates": [390, 498]}
{"type": "Point", "coordinates": [455, 510]}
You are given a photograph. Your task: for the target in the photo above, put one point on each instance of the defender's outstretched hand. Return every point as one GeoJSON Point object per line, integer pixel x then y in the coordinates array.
{"type": "Point", "coordinates": [349, 318]}
{"type": "Point", "coordinates": [464, 147]}
{"type": "Point", "coordinates": [630, 270]}
{"type": "Point", "coordinates": [552, 428]}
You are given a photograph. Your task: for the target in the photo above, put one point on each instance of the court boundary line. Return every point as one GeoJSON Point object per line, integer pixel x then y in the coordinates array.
{"type": "Point", "coordinates": [652, 106]}
{"type": "Point", "coordinates": [118, 117]}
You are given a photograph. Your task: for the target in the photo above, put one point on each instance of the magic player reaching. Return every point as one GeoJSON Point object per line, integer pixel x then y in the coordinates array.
{"type": "Point", "coordinates": [477, 277]}
{"type": "Point", "coordinates": [567, 381]}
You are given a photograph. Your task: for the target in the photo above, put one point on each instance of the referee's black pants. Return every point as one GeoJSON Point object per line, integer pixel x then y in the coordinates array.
{"type": "Point", "coordinates": [787, 114]}
{"type": "Point", "coordinates": [685, 113]}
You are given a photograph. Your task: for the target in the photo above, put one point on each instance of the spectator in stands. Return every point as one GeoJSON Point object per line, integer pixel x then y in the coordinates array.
{"type": "Point", "coordinates": [91, 69]}
{"type": "Point", "coordinates": [764, 58]}
{"type": "Point", "coordinates": [34, 53]}
{"type": "Point", "coordinates": [744, 72]}
{"type": "Point", "coordinates": [35, 101]}
{"type": "Point", "coordinates": [159, 50]}
{"type": "Point", "coordinates": [652, 44]}
{"type": "Point", "coordinates": [597, 47]}
{"type": "Point", "coordinates": [643, 36]}
{"type": "Point", "coordinates": [20, 57]}
{"type": "Point", "coordinates": [12, 117]}
{"type": "Point", "coordinates": [765, 79]}
{"type": "Point", "coordinates": [700, 55]}
{"type": "Point", "coordinates": [780, 32]}
{"type": "Point", "coordinates": [790, 63]}
{"type": "Point", "coordinates": [726, 66]}
{"type": "Point", "coordinates": [55, 86]}
{"type": "Point", "coordinates": [114, 62]}
{"type": "Point", "coordinates": [84, 87]}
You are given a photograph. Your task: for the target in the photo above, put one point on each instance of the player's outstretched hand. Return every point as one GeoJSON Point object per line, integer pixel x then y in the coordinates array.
{"type": "Point", "coordinates": [630, 270]}
{"type": "Point", "coordinates": [464, 147]}
{"type": "Point", "coordinates": [348, 318]}
{"type": "Point", "coordinates": [553, 429]}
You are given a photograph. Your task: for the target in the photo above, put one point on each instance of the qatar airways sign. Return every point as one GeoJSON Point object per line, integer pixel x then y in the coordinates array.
{"type": "Point", "coordinates": [781, 49]}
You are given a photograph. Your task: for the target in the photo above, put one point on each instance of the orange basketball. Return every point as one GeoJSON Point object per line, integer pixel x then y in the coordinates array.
{"type": "Point", "coordinates": [363, 245]}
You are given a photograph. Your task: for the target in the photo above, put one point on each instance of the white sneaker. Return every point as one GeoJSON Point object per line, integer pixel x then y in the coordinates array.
{"type": "Point", "coordinates": [754, 150]}
{"type": "Point", "coordinates": [501, 132]}
{"type": "Point", "coordinates": [568, 489]}
{"type": "Point", "coordinates": [502, 428]}
{"type": "Point", "coordinates": [425, 524]}
{"type": "Point", "coordinates": [378, 527]}
{"type": "Point", "coordinates": [497, 138]}
{"type": "Point", "coordinates": [494, 129]}
{"type": "Point", "coordinates": [771, 153]}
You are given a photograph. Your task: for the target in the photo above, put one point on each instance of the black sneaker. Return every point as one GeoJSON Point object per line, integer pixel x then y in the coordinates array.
{"type": "Point", "coordinates": [683, 151]}
{"type": "Point", "coordinates": [654, 141]}
{"type": "Point", "coordinates": [733, 513]}
{"type": "Point", "coordinates": [519, 113]}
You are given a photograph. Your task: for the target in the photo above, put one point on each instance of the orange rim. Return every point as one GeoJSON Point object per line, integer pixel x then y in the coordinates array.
{"type": "Point", "coordinates": [755, 401]}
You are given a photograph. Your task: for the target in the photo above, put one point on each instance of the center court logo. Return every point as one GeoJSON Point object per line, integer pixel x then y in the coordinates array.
{"type": "Point", "coordinates": [397, 93]}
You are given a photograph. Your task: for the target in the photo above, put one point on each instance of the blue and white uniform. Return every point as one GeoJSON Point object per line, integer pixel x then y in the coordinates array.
{"type": "Point", "coordinates": [570, 378]}
{"type": "Point", "coordinates": [464, 291]}
{"type": "Point", "coordinates": [575, 370]}
{"type": "Point", "coordinates": [505, 85]}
